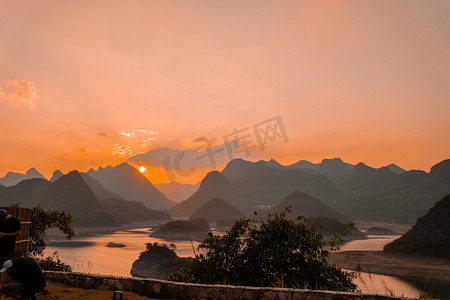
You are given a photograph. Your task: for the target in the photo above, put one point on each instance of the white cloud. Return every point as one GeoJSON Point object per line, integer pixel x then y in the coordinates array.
{"type": "Point", "coordinates": [24, 93]}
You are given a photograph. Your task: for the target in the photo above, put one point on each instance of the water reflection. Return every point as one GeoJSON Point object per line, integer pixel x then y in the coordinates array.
{"type": "Point", "coordinates": [89, 254]}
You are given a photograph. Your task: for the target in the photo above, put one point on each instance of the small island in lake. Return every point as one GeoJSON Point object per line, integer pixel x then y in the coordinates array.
{"type": "Point", "coordinates": [197, 230]}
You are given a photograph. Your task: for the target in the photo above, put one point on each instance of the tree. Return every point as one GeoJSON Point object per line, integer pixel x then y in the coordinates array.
{"type": "Point", "coordinates": [41, 220]}
{"type": "Point", "coordinates": [275, 252]}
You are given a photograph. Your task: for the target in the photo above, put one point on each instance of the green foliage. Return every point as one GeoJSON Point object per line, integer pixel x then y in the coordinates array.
{"type": "Point", "coordinates": [274, 252]}
{"type": "Point", "coordinates": [41, 220]}
{"type": "Point", "coordinates": [53, 263]}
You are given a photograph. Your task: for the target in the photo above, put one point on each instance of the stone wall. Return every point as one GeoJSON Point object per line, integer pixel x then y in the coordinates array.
{"type": "Point", "coordinates": [162, 289]}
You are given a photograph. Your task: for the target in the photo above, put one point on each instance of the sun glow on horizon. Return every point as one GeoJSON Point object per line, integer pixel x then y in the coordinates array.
{"type": "Point", "coordinates": [142, 169]}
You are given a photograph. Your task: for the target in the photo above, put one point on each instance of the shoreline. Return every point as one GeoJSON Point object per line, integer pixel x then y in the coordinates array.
{"type": "Point", "coordinates": [89, 231]}
{"type": "Point", "coordinates": [392, 264]}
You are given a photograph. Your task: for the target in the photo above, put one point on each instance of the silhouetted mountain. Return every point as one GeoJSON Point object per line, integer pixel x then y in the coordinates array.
{"type": "Point", "coordinates": [336, 170]}
{"type": "Point", "coordinates": [441, 172]}
{"type": "Point", "coordinates": [176, 191]}
{"type": "Point", "coordinates": [274, 164]}
{"type": "Point", "coordinates": [304, 205]}
{"type": "Point", "coordinates": [380, 231]}
{"type": "Point", "coordinates": [12, 178]}
{"type": "Point", "coordinates": [56, 175]}
{"type": "Point", "coordinates": [365, 178]}
{"type": "Point", "coordinates": [70, 193]}
{"type": "Point", "coordinates": [304, 164]}
{"type": "Point", "coordinates": [429, 236]}
{"type": "Point", "coordinates": [99, 190]}
{"type": "Point", "coordinates": [130, 211]}
{"type": "Point", "coordinates": [215, 210]}
{"type": "Point", "coordinates": [183, 230]}
{"type": "Point", "coordinates": [134, 211]}
{"type": "Point", "coordinates": [130, 184]}
{"type": "Point", "coordinates": [396, 169]}
{"type": "Point", "coordinates": [24, 192]}
{"type": "Point", "coordinates": [260, 185]}
{"type": "Point", "coordinates": [404, 196]}
{"type": "Point", "coordinates": [328, 226]}
{"type": "Point", "coordinates": [236, 168]}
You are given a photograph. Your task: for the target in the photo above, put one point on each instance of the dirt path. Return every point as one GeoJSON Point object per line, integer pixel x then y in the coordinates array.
{"type": "Point", "coordinates": [393, 264]}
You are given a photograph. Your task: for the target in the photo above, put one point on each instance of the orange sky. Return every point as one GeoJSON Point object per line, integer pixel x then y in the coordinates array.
{"type": "Point", "coordinates": [361, 80]}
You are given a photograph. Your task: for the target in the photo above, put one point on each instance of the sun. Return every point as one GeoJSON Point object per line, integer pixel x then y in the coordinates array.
{"type": "Point", "coordinates": [142, 169]}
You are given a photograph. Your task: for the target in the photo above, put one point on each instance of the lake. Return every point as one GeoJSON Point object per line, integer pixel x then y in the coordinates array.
{"type": "Point", "coordinates": [89, 254]}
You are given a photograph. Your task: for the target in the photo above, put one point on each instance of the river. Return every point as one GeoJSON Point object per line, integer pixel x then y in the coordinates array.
{"type": "Point", "coordinates": [89, 254]}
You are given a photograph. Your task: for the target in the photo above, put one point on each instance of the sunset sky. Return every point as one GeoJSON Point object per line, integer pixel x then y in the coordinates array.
{"type": "Point", "coordinates": [85, 84]}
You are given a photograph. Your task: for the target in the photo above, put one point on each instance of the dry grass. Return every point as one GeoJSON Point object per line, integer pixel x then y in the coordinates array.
{"type": "Point", "coordinates": [64, 293]}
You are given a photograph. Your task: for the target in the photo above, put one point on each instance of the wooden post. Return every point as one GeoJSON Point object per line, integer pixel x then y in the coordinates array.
{"type": "Point", "coordinates": [24, 216]}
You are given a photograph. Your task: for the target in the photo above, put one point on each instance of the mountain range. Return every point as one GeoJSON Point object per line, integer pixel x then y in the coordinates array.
{"type": "Point", "coordinates": [72, 194]}
{"type": "Point", "coordinates": [127, 182]}
{"type": "Point", "coordinates": [358, 191]}
{"type": "Point", "coordinates": [302, 204]}
{"type": "Point", "coordinates": [12, 178]}
{"type": "Point", "coordinates": [259, 186]}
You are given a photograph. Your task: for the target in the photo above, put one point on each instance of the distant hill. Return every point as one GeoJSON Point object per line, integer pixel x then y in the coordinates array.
{"type": "Point", "coordinates": [396, 169]}
{"type": "Point", "coordinates": [404, 196]}
{"type": "Point", "coordinates": [176, 191]}
{"type": "Point", "coordinates": [134, 211]}
{"type": "Point", "coordinates": [336, 170]}
{"type": "Point", "coordinates": [24, 192]}
{"type": "Point", "coordinates": [99, 190]}
{"type": "Point", "coordinates": [70, 193]}
{"type": "Point", "coordinates": [56, 175]}
{"type": "Point", "coordinates": [215, 210]}
{"type": "Point", "coordinates": [197, 230]}
{"type": "Point", "coordinates": [304, 205]}
{"type": "Point", "coordinates": [380, 231]}
{"type": "Point", "coordinates": [328, 226]}
{"type": "Point", "coordinates": [260, 185]}
{"type": "Point", "coordinates": [429, 236]}
{"type": "Point", "coordinates": [12, 178]}
{"type": "Point", "coordinates": [236, 168]}
{"type": "Point", "coordinates": [127, 182]}
{"type": "Point", "coordinates": [73, 195]}
{"type": "Point", "coordinates": [364, 178]}
{"type": "Point", "coordinates": [304, 164]}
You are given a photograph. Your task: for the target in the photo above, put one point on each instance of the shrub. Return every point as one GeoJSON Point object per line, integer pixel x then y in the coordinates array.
{"type": "Point", "coordinates": [275, 252]}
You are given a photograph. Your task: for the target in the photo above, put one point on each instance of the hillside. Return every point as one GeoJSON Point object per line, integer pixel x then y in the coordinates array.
{"type": "Point", "coordinates": [127, 182]}
{"type": "Point", "coordinates": [70, 193]}
{"type": "Point", "coordinates": [429, 236]}
{"type": "Point", "coordinates": [328, 226]}
{"type": "Point", "coordinates": [367, 179]}
{"type": "Point", "coordinates": [133, 211]}
{"type": "Point", "coordinates": [183, 230]}
{"type": "Point", "coordinates": [12, 178]}
{"type": "Point", "coordinates": [404, 196]}
{"type": "Point", "coordinates": [260, 185]}
{"type": "Point", "coordinates": [176, 191]}
{"type": "Point", "coordinates": [215, 210]}
{"type": "Point", "coordinates": [304, 205]}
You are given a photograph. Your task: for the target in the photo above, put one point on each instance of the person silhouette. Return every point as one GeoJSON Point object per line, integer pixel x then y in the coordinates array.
{"type": "Point", "coordinates": [9, 231]}
{"type": "Point", "coordinates": [25, 278]}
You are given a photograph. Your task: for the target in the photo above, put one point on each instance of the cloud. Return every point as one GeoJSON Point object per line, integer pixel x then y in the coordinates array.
{"type": "Point", "coordinates": [24, 93]}
{"type": "Point", "coordinates": [206, 154]}
{"type": "Point", "coordinates": [106, 133]}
